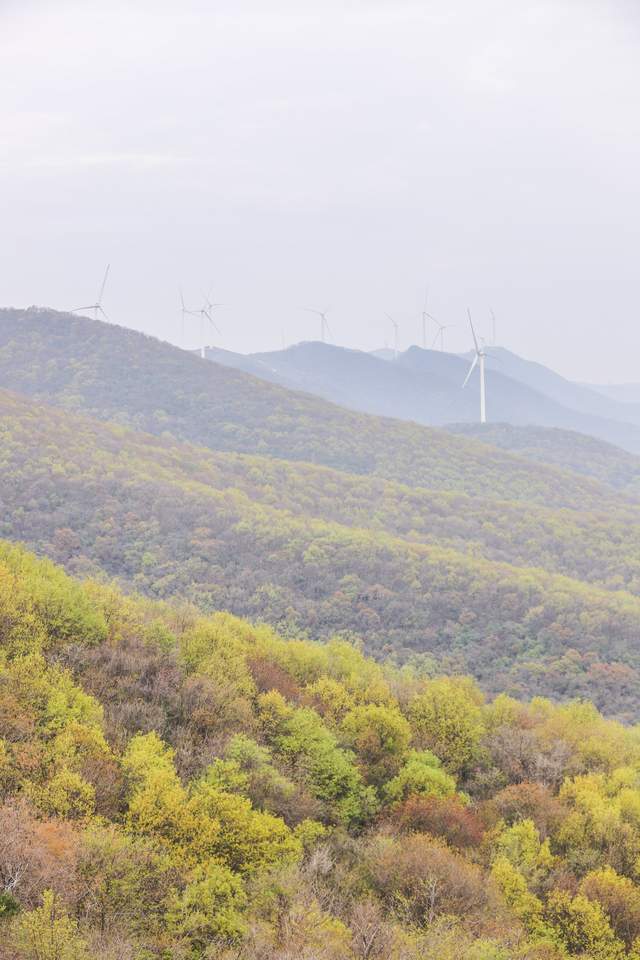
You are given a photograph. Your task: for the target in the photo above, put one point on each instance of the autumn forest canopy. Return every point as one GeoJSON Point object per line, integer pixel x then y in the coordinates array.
{"type": "Point", "coordinates": [284, 681]}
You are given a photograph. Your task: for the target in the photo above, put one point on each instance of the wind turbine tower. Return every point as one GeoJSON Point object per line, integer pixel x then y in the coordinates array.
{"type": "Point", "coordinates": [439, 337]}
{"type": "Point", "coordinates": [394, 324]}
{"type": "Point", "coordinates": [325, 330]}
{"type": "Point", "coordinates": [206, 313]}
{"type": "Point", "coordinates": [425, 316]}
{"type": "Point", "coordinates": [478, 360]}
{"type": "Point", "coordinates": [97, 306]}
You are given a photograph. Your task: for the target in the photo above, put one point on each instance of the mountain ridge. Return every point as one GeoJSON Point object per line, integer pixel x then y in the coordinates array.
{"type": "Point", "coordinates": [120, 375]}
{"type": "Point", "coordinates": [425, 386]}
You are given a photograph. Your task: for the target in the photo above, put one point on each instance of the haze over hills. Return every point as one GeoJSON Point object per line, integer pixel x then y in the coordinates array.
{"type": "Point", "coordinates": [300, 657]}
{"type": "Point", "coordinates": [426, 386]}
{"type": "Point", "coordinates": [576, 396]}
{"type": "Point", "coordinates": [622, 392]}
{"type": "Point", "coordinates": [527, 598]}
{"type": "Point", "coordinates": [437, 554]}
{"type": "Point", "coordinates": [317, 519]}
{"type": "Point", "coordinates": [116, 374]}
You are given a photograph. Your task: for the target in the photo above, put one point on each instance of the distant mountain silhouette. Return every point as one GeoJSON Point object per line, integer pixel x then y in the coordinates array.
{"type": "Point", "coordinates": [577, 396]}
{"type": "Point", "coordinates": [426, 386]}
{"type": "Point", "coordinates": [385, 353]}
{"type": "Point", "coordinates": [360, 381]}
{"type": "Point", "coordinates": [622, 392]}
{"type": "Point", "coordinates": [112, 373]}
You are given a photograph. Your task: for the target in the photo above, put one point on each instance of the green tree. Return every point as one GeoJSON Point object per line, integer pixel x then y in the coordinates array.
{"type": "Point", "coordinates": [447, 719]}
{"type": "Point", "coordinates": [582, 927]}
{"type": "Point", "coordinates": [311, 752]}
{"type": "Point", "coordinates": [422, 773]}
{"type": "Point", "coordinates": [619, 897]}
{"type": "Point", "coordinates": [210, 908]}
{"type": "Point", "coordinates": [379, 735]}
{"type": "Point", "coordinates": [521, 846]}
{"type": "Point", "coordinates": [47, 933]}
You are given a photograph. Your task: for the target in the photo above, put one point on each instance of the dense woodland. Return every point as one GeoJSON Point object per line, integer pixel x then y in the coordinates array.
{"type": "Point", "coordinates": [448, 580]}
{"type": "Point", "coordinates": [318, 688]}
{"type": "Point", "coordinates": [180, 786]}
{"type": "Point", "coordinates": [585, 455]}
{"type": "Point", "coordinates": [116, 374]}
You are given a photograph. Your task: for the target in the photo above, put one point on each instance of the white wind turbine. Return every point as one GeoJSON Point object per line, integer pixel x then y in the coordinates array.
{"type": "Point", "coordinates": [97, 306]}
{"type": "Point", "coordinates": [206, 313]}
{"type": "Point", "coordinates": [425, 317]}
{"type": "Point", "coordinates": [478, 359]}
{"type": "Point", "coordinates": [394, 324]}
{"type": "Point", "coordinates": [440, 333]}
{"type": "Point", "coordinates": [325, 330]}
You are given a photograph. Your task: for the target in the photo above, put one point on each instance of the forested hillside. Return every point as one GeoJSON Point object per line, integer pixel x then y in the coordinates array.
{"type": "Point", "coordinates": [116, 374]}
{"type": "Point", "coordinates": [475, 585]}
{"type": "Point", "coordinates": [584, 455]}
{"type": "Point", "coordinates": [180, 786]}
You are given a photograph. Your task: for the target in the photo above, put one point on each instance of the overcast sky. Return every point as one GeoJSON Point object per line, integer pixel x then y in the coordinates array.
{"type": "Point", "coordinates": [334, 153]}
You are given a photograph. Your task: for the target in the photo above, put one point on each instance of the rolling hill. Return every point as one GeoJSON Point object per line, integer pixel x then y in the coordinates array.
{"type": "Point", "coordinates": [527, 598]}
{"type": "Point", "coordinates": [562, 448]}
{"type": "Point", "coordinates": [425, 386]}
{"type": "Point", "coordinates": [576, 396]}
{"type": "Point", "coordinates": [210, 484]}
{"type": "Point", "coordinates": [180, 785]}
{"type": "Point", "coordinates": [115, 374]}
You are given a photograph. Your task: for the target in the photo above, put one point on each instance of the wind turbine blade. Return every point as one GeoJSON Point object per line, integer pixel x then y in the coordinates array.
{"type": "Point", "coordinates": [471, 369]}
{"type": "Point", "coordinates": [102, 312]}
{"type": "Point", "coordinates": [184, 309]}
{"type": "Point", "coordinates": [104, 283]}
{"type": "Point", "coordinates": [78, 309]}
{"type": "Point", "coordinates": [213, 323]}
{"type": "Point", "coordinates": [435, 339]}
{"type": "Point", "coordinates": [475, 339]}
{"type": "Point", "coordinates": [318, 313]}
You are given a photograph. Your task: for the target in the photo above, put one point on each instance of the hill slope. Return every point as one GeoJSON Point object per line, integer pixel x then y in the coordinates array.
{"type": "Point", "coordinates": [426, 386]}
{"type": "Point", "coordinates": [188, 786]}
{"type": "Point", "coordinates": [576, 396]}
{"type": "Point", "coordinates": [562, 448]}
{"type": "Point", "coordinates": [622, 392]}
{"type": "Point", "coordinates": [116, 374]}
{"type": "Point", "coordinates": [535, 400]}
{"type": "Point", "coordinates": [408, 572]}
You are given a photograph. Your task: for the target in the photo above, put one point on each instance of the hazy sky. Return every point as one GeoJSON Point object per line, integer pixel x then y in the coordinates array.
{"type": "Point", "coordinates": [338, 153]}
